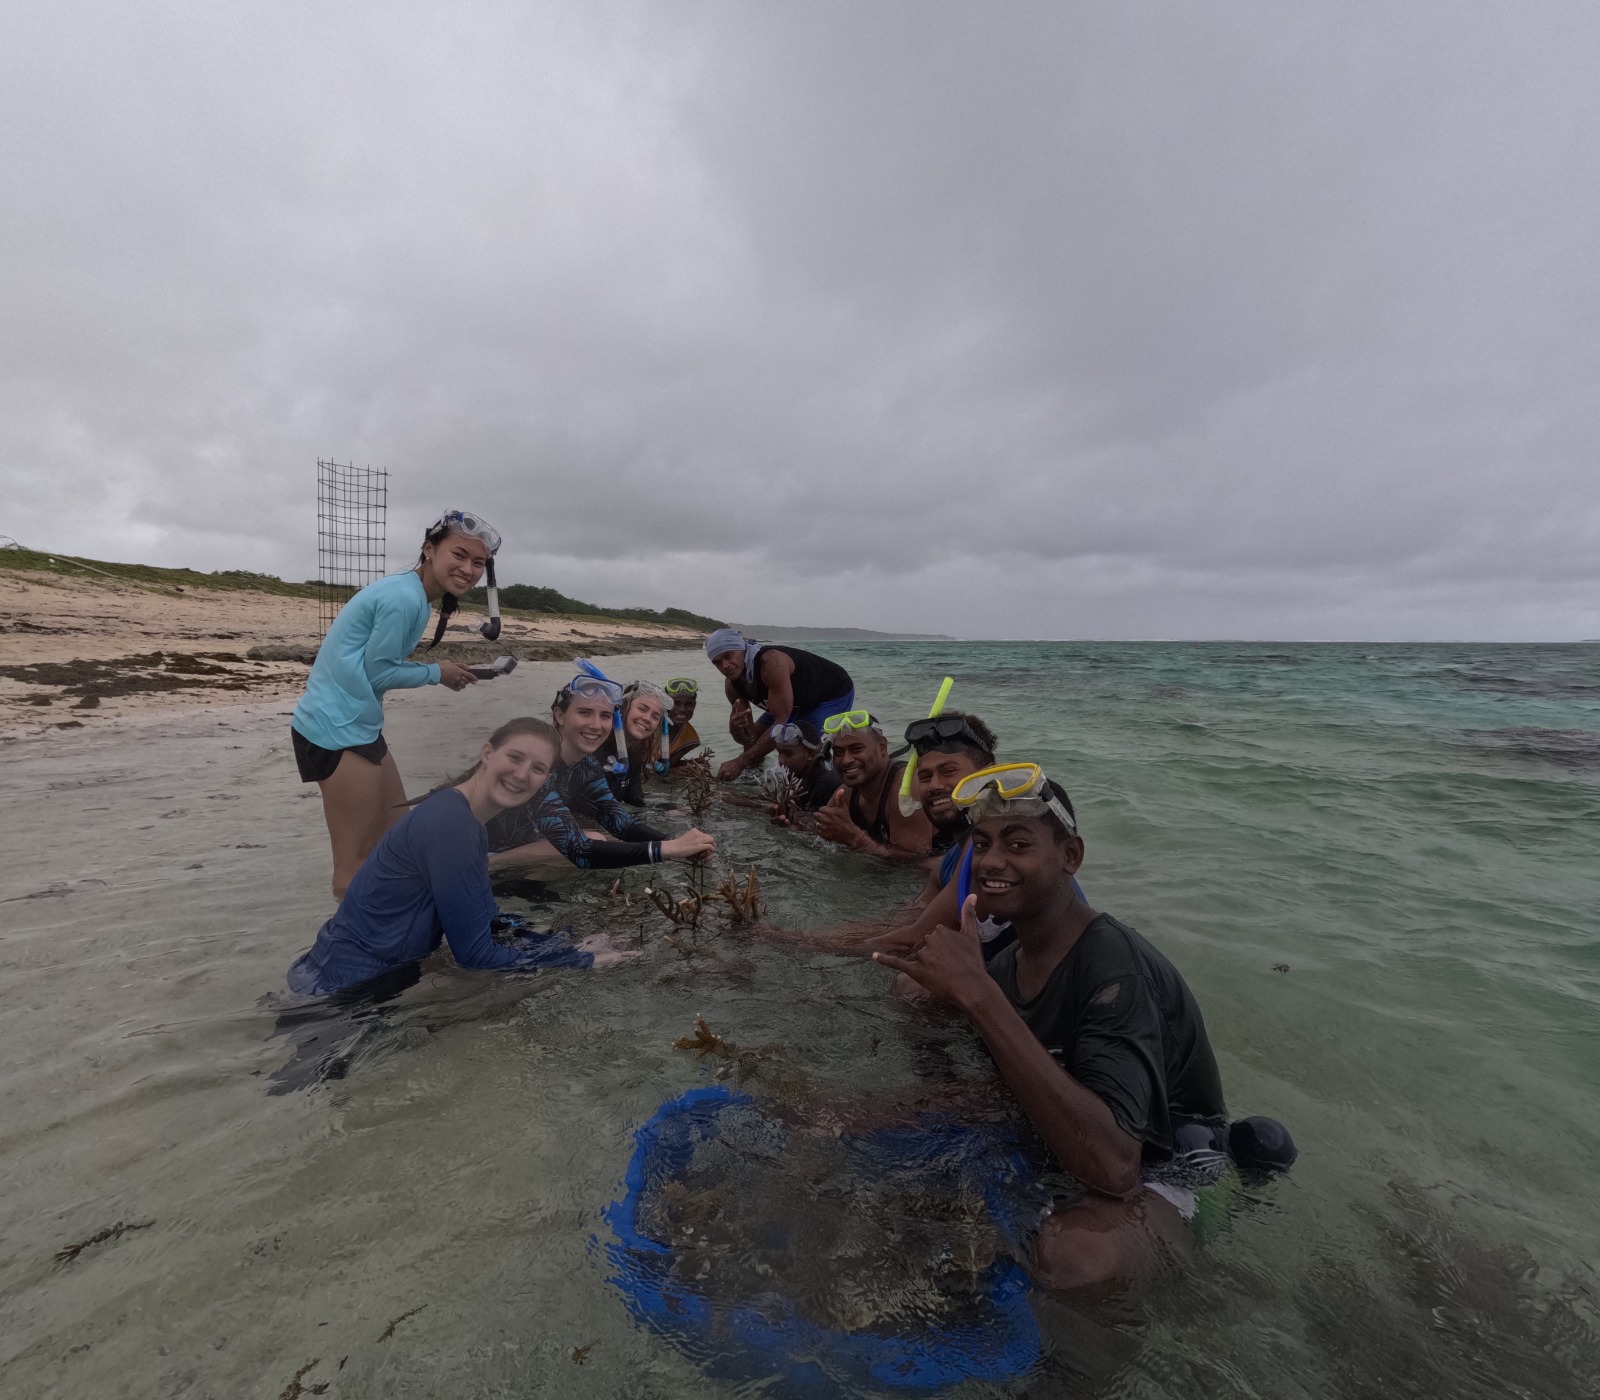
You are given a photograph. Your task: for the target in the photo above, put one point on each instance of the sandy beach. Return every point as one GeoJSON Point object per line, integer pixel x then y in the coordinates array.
{"type": "Point", "coordinates": [76, 652]}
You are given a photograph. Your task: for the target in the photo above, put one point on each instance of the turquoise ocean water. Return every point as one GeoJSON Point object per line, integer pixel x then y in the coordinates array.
{"type": "Point", "coordinates": [1410, 831]}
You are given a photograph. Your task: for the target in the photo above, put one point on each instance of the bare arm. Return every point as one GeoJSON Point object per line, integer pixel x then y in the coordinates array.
{"type": "Point", "coordinates": [1076, 1123]}
{"type": "Point", "coordinates": [777, 671]}
{"type": "Point", "coordinates": [834, 823]}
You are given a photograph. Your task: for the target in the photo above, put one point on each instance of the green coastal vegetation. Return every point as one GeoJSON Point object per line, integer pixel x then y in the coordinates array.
{"type": "Point", "coordinates": [518, 599]}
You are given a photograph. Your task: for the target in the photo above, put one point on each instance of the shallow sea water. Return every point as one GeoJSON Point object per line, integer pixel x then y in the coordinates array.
{"type": "Point", "coordinates": [1409, 830]}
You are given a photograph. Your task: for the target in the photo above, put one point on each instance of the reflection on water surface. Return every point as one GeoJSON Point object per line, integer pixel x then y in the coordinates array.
{"type": "Point", "coordinates": [1416, 849]}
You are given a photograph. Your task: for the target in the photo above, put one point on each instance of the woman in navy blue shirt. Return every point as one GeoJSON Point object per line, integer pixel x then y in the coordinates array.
{"type": "Point", "coordinates": [427, 881]}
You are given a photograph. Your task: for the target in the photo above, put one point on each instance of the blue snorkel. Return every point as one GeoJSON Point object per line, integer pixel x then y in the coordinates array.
{"type": "Point", "coordinates": [663, 765]}
{"type": "Point", "coordinates": [618, 763]}
{"type": "Point", "coordinates": [964, 879]}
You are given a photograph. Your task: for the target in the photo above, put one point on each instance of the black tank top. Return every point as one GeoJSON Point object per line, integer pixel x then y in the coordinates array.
{"type": "Point", "coordinates": [815, 679]}
{"type": "Point", "coordinates": [878, 828]}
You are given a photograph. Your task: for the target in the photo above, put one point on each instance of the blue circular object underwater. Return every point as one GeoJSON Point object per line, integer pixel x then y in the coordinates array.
{"type": "Point", "coordinates": [767, 1335]}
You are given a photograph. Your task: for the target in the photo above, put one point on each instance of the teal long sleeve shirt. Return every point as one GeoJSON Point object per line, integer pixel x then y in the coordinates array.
{"type": "Point", "coordinates": [364, 655]}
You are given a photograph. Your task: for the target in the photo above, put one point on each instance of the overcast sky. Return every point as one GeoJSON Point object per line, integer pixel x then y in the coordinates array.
{"type": "Point", "coordinates": [1021, 320]}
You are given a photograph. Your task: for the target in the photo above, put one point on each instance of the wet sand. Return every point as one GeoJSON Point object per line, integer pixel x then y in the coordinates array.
{"type": "Point", "coordinates": [161, 872]}
{"type": "Point", "coordinates": [77, 651]}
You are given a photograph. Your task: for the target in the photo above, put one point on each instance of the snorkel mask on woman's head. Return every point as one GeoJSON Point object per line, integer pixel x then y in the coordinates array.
{"type": "Point", "coordinates": [618, 762]}
{"type": "Point", "coordinates": [589, 687]}
{"type": "Point", "coordinates": [461, 522]}
{"type": "Point", "coordinates": [649, 688]}
{"type": "Point", "coordinates": [1018, 789]}
{"type": "Point", "coordinates": [663, 760]}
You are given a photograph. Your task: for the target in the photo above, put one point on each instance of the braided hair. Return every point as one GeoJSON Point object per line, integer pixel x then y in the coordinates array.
{"type": "Point", "coordinates": [449, 602]}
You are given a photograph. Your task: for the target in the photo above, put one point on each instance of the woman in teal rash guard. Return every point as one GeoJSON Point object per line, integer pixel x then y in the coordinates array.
{"type": "Point", "coordinates": [337, 727]}
{"type": "Point", "coordinates": [427, 882]}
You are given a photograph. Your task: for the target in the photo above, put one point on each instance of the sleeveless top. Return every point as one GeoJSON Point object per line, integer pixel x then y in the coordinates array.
{"type": "Point", "coordinates": [815, 679]}
{"type": "Point", "coordinates": [879, 829]}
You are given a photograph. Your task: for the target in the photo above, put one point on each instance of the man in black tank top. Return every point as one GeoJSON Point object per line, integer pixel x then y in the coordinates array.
{"type": "Point", "coordinates": [865, 813]}
{"type": "Point", "coordinates": [1095, 1033]}
{"type": "Point", "coordinates": [790, 684]}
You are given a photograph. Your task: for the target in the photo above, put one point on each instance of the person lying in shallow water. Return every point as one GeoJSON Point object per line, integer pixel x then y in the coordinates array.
{"type": "Point", "coordinates": [557, 826]}
{"type": "Point", "coordinates": [1093, 1030]}
{"type": "Point", "coordinates": [427, 882]}
{"type": "Point", "coordinates": [864, 815]}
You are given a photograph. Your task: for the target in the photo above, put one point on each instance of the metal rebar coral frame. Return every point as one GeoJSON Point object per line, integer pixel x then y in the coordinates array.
{"type": "Point", "coordinates": [352, 509]}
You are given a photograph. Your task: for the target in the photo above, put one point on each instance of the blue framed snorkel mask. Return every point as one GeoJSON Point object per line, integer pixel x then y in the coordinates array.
{"type": "Point", "coordinates": [618, 762]}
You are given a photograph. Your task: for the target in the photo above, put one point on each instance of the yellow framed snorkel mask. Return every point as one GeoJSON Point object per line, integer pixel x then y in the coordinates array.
{"type": "Point", "coordinates": [1019, 788]}
{"type": "Point", "coordinates": [850, 719]}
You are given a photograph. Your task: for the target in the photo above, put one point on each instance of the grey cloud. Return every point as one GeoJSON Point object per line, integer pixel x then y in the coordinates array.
{"type": "Point", "coordinates": [1032, 321]}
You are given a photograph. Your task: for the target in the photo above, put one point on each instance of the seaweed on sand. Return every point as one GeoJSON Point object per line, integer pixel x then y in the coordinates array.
{"type": "Point", "coordinates": [743, 1063]}
{"type": "Point", "coordinates": [111, 1232]}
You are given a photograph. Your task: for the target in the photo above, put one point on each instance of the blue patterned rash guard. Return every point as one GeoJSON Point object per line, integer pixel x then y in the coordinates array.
{"type": "Point", "coordinates": [426, 882]}
{"type": "Point", "coordinates": [577, 794]}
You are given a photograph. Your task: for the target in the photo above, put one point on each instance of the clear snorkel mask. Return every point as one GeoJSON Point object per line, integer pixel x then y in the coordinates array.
{"type": "Point", "coordinates": [663, 762]}
{"type": "Point", "coordinates": [463, 522]}
{"type": "Point", "coordinates": [618, 762]}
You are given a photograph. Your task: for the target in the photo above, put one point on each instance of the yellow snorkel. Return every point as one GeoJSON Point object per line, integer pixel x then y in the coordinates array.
{"type": "Point", "coordinates": [909, 804]}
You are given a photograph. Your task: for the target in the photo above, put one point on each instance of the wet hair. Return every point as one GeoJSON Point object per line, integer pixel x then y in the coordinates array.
{"type": "Point", "coordinates": [449, 603]}
{"type": "Point", "coordinates": [640, 748]}
{"type": "Point", "coordinates": [529, 726]}
{"type": "Point", "coordinates": [990, 747]}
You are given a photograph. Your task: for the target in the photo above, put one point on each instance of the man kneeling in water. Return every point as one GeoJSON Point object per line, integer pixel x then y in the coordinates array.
{"type": "Point", "coordinates": [1092, 1029]}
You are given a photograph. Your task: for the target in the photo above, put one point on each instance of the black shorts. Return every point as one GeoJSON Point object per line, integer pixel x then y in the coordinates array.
{"type": "Point", "coordinates": [316, 764]}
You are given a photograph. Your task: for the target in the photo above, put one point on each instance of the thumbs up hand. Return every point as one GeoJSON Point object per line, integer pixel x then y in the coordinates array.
{"type": "Point", "coordinates": [948, 962]}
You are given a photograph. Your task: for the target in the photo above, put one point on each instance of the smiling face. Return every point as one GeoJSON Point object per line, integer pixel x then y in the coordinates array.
{"type": "Point", "coordinates": [584, 725]}
{"type": "Point", "coordinates": [1020, 864]}
{"type": "Point", "coordinates": [936, 777]}
{"type": "Point", "coordinates": [456, 563]}
{"type": "Point", "coordinates": [682, 709]}
{"type": "Point", "coordinates": [517, 769]}
{"type": "Point", "coordinates": [859, 756]}
{"type": "Point", "coordinates": [643, 717]}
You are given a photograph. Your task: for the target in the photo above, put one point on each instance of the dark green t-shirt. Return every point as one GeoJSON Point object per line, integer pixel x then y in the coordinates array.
{"type": "Point", "coordinates": [1120, 1019]}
